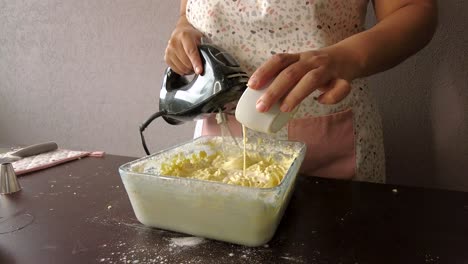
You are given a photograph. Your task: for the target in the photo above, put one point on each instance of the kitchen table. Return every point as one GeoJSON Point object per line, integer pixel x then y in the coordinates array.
{"type": "Point", "coordinates": [79, 212]}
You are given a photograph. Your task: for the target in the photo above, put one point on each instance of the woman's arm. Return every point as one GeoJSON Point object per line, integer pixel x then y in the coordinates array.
{"type": "Point", "coordinates": [404, 27]}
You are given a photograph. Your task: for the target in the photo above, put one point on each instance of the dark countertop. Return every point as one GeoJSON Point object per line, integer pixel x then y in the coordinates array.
{"type": "Point", "coordinates": [78, 212]}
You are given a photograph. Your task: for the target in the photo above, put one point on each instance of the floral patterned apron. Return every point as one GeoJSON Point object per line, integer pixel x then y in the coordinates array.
{"type": "Point", "coordinates": [344, 140]}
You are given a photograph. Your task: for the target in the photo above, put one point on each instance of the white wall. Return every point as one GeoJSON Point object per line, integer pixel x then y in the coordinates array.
{"type": "Point", "coordinates": [86, 74]}
{"type": "Point", "coordinates": [424, 104]}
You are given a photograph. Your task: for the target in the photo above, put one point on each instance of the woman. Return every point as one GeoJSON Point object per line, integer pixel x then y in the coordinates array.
{"type": "Point", "coordinates": [317, 53]}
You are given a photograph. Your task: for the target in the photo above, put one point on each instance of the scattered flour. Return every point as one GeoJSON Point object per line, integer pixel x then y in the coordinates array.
{"type": "Point", "coordinates": [186, 241]}
{"type": "Point", "coordinates": [291, 259]}
{"type": "Point", "coordinates": [163, 247]}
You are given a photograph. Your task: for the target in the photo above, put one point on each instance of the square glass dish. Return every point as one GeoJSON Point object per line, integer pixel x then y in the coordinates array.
{"type": "Point", "coordinates": [231, 213]}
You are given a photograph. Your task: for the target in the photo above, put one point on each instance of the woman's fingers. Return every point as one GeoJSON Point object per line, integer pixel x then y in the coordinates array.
{"type": "Point", "coordinates": [191, 54]}
{"type": "Point", "coordinates": [182, 53]}
{"type": "Point", "coordinates": [335, 91]}
{"type": "Point", "coordinates": [271, 68]}
{"type": "Point", "coordinates": [171, 58]}
{"type": "Point", "coordinates": [282, 84]}
{"type": "Point", "coordinates": [179, 67]}
{"type": "Point", "coordinates": [309, 83]}
{"type": "Point", "coordinates": [295, 77]}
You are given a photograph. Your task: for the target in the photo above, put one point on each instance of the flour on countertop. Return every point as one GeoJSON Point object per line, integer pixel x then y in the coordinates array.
{"type": "Point", "coordinates": [163, 247]}
{"type": "Point", "coordinates": [294, 260]}
{"type": "Point", "coordinates": [186, 241]}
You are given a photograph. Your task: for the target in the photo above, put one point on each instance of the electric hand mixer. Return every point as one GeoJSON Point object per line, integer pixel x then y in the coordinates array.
{"type": "Point", "coordinates": [216, 91]}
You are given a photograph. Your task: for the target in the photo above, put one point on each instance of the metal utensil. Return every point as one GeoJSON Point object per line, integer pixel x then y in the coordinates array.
{"type": "Point", "coordinates": [28, 151]}
{"type": "Point", "coordinates": [8, 180]}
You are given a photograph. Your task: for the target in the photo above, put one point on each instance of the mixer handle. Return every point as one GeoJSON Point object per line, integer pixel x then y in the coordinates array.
{"type": "Point", "coordinates": [174, 80]}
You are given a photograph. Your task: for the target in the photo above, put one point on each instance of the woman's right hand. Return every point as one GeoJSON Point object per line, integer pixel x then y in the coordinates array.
{"type": "Point", "coordinates": [182, 49]}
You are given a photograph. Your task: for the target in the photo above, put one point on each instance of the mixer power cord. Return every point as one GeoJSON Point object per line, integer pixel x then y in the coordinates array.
{"type": "Point", "coordinates": [146, 124]}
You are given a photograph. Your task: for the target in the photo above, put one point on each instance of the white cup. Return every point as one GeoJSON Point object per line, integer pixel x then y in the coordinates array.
{"type": "Point", "coordinates": [266, 122]}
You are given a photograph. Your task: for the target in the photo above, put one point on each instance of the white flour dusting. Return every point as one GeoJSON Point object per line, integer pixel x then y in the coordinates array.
{"type": "Point", "coordinates": [164, 247]}
{"type": "Point", "coordinates": [295, 260]}
{"type": "Point", "coordinates": [186, 241]}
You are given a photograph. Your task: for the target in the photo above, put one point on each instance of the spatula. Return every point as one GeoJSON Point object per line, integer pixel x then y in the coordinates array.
{"type": "Point", "coordinates": [29, 151]}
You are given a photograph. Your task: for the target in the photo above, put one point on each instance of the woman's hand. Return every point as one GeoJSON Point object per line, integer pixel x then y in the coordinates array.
{"type": "Point", "coordinates": [297, 76]}
{"type": "Point", "coordinates": [182, 49]}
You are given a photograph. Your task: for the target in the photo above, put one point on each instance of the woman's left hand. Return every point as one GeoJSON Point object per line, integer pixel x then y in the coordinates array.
{"type": "Point", "coordinates": [296, 76]}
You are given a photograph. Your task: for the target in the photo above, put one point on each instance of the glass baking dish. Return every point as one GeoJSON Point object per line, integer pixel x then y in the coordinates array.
{"type": "Point", "coordinates": [231, 213]}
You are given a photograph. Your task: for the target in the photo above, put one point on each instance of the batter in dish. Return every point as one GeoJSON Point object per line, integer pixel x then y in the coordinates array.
{"type": "Point", "coordinates": [260, 171]}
